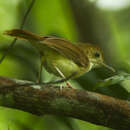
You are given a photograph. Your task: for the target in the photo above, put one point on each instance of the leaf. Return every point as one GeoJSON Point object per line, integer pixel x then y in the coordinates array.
{"type": "Point", "coordinates": [116, 79]}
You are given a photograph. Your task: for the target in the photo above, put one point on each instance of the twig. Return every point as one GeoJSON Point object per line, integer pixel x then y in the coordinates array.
{"type": "Point", "coordinates": [21, 27]}
{"type": "Point", "coordinates": [29, 83]}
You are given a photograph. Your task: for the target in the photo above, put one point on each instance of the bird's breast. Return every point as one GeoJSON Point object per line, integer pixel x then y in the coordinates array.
{"type": "Point", "coordinates": [65, 65]}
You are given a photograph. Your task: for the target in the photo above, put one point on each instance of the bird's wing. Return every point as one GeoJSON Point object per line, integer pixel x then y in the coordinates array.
{"type": "Point", "coordinates": [62, 46]}
{"type": "Point", "coordinates": [67, 49]}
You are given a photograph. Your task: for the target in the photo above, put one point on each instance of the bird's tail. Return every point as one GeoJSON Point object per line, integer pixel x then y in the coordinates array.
{"type": "Point", "coordinates": [23, 34]}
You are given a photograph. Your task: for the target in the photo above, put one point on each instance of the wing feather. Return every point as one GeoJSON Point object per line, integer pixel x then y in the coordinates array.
{"type": "Point", "coordinates": [67, 49]}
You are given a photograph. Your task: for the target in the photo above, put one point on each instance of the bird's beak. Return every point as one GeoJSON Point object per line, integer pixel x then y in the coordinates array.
{"type": "Point", "coordinates": [109, 67]}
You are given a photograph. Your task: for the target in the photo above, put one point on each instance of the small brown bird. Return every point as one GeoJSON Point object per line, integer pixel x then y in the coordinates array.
{"type": "Point", "coordinates": [61, 57]}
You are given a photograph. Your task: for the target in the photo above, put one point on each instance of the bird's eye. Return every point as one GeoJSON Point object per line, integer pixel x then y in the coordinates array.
{"type": "Point", "coordinates": [97, 55]}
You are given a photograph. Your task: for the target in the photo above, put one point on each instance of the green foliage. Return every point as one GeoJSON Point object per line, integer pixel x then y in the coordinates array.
{"type": "Point", "coordinates": [71, 20]}
{"type": "Point", "coordinates": [116, 79]}
{"type": "Point", "coordinates": [55, 17]}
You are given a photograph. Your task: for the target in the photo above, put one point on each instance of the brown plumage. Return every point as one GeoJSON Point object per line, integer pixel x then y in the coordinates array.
{"type": "Point", "coordinates": [64, 47]}
{"type": "Point", "coordinates": [63, 54]}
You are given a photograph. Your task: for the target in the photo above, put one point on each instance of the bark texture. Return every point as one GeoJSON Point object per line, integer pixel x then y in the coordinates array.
{"type": "Point", "coordinates": [49, 99]}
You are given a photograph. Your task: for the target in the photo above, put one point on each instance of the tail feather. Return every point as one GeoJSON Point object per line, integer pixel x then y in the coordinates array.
{"type": "Point", "coordinates": [23, 34]}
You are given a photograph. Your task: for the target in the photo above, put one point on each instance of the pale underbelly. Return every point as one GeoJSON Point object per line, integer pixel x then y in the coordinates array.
{"type": "Point", "coordinates": [65, 65]}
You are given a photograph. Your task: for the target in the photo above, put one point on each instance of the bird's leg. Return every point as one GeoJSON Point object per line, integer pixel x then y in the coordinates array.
{"type": "Point", "coordinates": [40, 70]}
{"type": "Point", "coordinates": [62, 75]}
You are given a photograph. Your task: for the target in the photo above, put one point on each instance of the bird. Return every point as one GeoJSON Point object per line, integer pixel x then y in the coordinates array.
{"type": "Point", "coordinates": [62, 57]}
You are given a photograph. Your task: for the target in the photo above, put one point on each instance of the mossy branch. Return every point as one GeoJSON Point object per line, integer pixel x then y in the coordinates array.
{"type": "Point", "coordinates": [88, 106]}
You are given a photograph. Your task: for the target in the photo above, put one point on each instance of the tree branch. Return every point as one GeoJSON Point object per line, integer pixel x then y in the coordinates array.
{"type": "Point", "coordinates": [88, 106]}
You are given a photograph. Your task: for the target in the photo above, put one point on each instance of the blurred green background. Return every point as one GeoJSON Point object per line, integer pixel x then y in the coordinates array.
{"type": "Point", "coordinates": [102, 22]}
